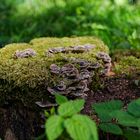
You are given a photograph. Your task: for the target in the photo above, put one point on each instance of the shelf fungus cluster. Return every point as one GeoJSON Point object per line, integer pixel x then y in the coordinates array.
{"type": "Point", "coordinates": [76, 77]}
{"type": "Point", "coordinates": [74, 81]}
{"type": "Point", "coordinates": [72, 49]}
{"type": "Point", "coordinates": [106, 60]}
{"type": "Point", "coordinates": [33, 71]}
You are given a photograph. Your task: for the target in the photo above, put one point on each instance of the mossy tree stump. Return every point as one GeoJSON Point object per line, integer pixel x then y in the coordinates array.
{"type": "Point", "coordinates": [31, 73]}
{"type": "Point", "coordinates": [27, 78]}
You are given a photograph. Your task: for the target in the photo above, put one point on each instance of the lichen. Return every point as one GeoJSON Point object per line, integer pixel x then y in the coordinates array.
{"type": "Point", "coordinates": [34, 72]}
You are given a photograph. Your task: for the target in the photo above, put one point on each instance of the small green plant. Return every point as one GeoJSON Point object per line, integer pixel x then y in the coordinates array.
{"type": "Point", "coordinates": [67, 123]}
{"type": "Point", "coordinates": [119, 121]}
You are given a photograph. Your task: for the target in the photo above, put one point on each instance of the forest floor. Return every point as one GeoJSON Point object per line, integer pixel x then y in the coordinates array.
{"type": "Point", "coordinates": [115, 88]}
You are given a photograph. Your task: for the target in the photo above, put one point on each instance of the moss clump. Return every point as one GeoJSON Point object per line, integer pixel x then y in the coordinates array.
{"type": "Point", "coordinates": [32, 74]}
{"type": "Point", "coordinates": [119, 53]}
{"type": "Point", "coordinates": [128, 65]}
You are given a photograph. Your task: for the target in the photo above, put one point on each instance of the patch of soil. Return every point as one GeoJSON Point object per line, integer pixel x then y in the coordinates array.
{"type": "Point", "coordinates": [115, 87]}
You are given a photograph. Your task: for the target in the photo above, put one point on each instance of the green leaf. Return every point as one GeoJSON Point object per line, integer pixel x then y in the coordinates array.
{"type": "Point", "coordinates": [52, 111]}
{"type": "Point", "coordinates": [81, 127]}
{"type": "Point", "coordinates": [125, 118]}
{"type": "Point", "coordinates": [104, 116]}
{"type": "Point", "coordinates": [108, 106]}
{"type": "Point", "coordinates": [111, 128]}
{"type": "Point", "coordinates": [70, 108]}
{"type": "Point", "coordinates": [54, 127]}
{"type": "Point", "coordinates": [46, 113]}
{"type": "Point", "coordinates": [134, 108]}
{"type": "Point", "coordinates": [131, 134]}
{"type": "Point", "coordinates": [103, 109]}
{"type": "Point", "coordinates": [60, 99]}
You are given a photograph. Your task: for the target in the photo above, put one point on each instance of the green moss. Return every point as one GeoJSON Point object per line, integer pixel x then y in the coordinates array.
{"type": "Point", "coordinates": [33, 72]}
{"type": "Point", "coordinates": [119, 53]}
{"type": "Point", "coordinates": [128, 65]}
{"type": "Point", "coordinates": [65, 42]}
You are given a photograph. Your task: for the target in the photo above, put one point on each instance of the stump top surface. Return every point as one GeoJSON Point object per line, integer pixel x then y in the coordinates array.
{"type": "Point", "coordinates": [33, 70]}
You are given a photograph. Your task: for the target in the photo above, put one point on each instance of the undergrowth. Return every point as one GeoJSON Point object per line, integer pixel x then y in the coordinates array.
{"type": "Point", "coordinates": [66, 123]}
{"type": "Point", "coordinates": [117, 23]}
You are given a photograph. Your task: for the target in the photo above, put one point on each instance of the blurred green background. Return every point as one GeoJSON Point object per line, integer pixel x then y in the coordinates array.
{"type": "Point", "coordinates": [116, 22]}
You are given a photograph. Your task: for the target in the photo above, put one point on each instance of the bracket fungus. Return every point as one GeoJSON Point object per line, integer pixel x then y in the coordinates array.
{"type": "Point", "coordinates": [71, 49]}
{"type": "Point", "coordinates": [25, 53]}
{"type": "Point", "coordinates": [54, 69]}
{"type": "Point", "coordinates": [75, 81]}
{"type": "Point", "coordinates": [106, 60]}
{"type": "Point", "coordinates": [67, 67]}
